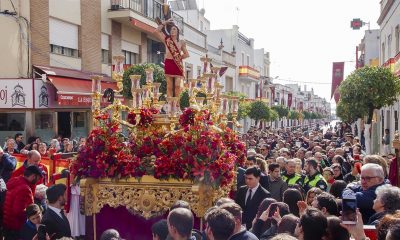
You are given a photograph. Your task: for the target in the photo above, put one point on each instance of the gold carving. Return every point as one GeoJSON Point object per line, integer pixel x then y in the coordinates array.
{"type": "Point", "coordinates": [148, 198]}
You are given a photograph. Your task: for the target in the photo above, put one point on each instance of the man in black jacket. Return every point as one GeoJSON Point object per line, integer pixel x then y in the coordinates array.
{"type": "Point", "coordinates": [250, 196]}
{"type": "Point", "coordinates": [57, 224]}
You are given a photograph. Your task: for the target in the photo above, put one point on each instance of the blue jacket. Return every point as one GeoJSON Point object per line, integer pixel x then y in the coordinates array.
{"type": "Point", "coordinates": [243, 235]}
{"type": "Point", "coordinates": [7, 166]}
{"type": "Point", "coordinates": [365, 199]}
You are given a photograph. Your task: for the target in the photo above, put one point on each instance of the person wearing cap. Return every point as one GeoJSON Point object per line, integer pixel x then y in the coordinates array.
{"type": "Point", "coordinates": [19, 196]}
{"type": "Point", "coordinates": [33, 158]}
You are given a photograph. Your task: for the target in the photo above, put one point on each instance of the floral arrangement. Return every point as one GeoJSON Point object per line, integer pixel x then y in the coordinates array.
{"type": "Point", "coordinates": [197, 151]}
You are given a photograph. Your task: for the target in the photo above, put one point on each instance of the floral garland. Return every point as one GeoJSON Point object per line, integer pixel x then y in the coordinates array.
{"type": "Point", "coordinates": [198, 151]}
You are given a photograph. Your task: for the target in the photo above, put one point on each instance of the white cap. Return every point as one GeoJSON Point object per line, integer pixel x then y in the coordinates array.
{"type": "Point", "coordinates": [251, 152]}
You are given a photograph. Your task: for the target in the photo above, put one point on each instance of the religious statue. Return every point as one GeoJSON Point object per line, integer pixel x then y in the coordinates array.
{"type": "Point", "coordinates": [175, 52]}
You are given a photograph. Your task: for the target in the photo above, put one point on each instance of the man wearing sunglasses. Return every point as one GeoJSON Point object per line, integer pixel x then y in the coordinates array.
{"type": "Point", "coordinates": [372, 176]}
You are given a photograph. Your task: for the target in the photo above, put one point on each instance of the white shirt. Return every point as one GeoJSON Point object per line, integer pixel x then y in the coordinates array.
{"type": "Point", "coordinates": [253, 190]}
{"type": "Point", "coordinates": [56, 210]}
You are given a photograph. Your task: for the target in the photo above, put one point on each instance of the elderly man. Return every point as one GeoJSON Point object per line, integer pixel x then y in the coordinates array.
{"type": "Point", "coordinates": [372, 177]}
{"type": "Point", "coordinates": [33, 158]}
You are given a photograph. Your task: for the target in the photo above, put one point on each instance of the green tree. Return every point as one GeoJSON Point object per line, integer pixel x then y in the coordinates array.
{"type": "Point", "coordinates": [344, 112]}
{"type": "Point", "coordinates": [184, 98]}
{"type": "Point", "coordinates": [294, 115]}
{"type": "Point", "coordinates": [273, 115]}
{"type": "Point", "coordinates": [258, 110]}
{"type": "Point", "coordinates": [139, 69]}
{"type": "Point", "coordinates": [369, 88]}
{"type": "Point", "coordinates": [281, 110]}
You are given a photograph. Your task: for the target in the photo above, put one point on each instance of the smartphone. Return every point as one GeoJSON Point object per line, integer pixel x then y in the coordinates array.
{"type": "Point", "coordinates": [41, 232]}
{"type": "Point", "coordinates": [349, 207]}
{"type": "Point", "coordinates": [272, 210]}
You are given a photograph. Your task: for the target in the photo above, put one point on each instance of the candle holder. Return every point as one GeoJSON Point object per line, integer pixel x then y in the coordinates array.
{"type": "Point", "coordinates": [200, 101]}
{"type": "Point", "coordinates": [135, 82]}
{"type": "Point", "coordinates": [149, 75]}
{"type": "Point", "coordinates": [137, 98]}
{"type": "Point", "coordinates": [156, 91]}
{"type": "Point", "coordinates": [235, 104]}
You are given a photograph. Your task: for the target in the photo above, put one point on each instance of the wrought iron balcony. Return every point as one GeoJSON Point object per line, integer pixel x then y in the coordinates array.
{"type": "Point", "coordinates": [150, 9]}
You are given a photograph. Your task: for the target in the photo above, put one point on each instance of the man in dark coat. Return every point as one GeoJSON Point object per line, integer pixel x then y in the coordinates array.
{"type": "Point", "coordinates": [372, 176]}
{"type": "Point", "coordinates": [57, 224]}
{"type": "Point", "coordinates": [250, 196]}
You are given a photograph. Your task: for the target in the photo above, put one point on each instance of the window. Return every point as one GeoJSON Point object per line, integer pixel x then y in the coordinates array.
{"type": "Point", "coordinates": [248, 60]}
{"type": "Point", "coordinates": [389, 46]}
{"type": "Point", "coordinates": [44, 120]}
{"type": "Point", "coordinates": [396, 121]}
{"type": "Point", "coordinates": [79, 119]}
{"type": "Point", "coordinates": [130, 57]}
{"type": "Point", "coordinates": [383, 53]}
{"type": "Point", "coordinates": [105, 50]}
{"type": "Point", "coordinates": [383, 123]}
{"type": "Point", "coordinates": [12, 121]}
{"type": "Point", "coordinates": [63, 38]}
{"type": "Point", "coordinates": [69, 52]}
{"type": "Point", "coordinates": [105, 56]}
{"type": "Point", "coordinates": [242, 59]}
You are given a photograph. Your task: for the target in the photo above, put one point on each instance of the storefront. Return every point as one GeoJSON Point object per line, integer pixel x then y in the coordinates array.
{"type": "Point", "coordinates": [57, 104]}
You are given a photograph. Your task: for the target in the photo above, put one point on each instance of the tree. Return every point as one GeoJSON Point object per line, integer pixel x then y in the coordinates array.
{"type": "Point", "coordinates": [184, 99]}
{"type": "Point", "coordinates": [281, 110]}
{"type": "Point", "coordinates": [140, 69]}
{"type": "Point", "coordinates": [273, 115]}
{"type": "Point", "coordinates": [258, 111]}
{"type": "Point", "coordinates": [369, 88]}
{"type": "Point", "coordinates": [294, 115]}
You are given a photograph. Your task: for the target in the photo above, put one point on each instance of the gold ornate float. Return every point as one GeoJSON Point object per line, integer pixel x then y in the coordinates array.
{"type": "Point", "coordinates": [141, 173]}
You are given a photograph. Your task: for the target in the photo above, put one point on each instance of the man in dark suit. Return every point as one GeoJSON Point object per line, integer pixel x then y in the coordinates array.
{"type": "Point", "coordinates": [250, 196]}
{"type": "Point", "coordinates": [57, 224]}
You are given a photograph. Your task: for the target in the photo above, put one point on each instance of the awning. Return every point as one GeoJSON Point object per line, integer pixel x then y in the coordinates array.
{"type": "Point", "coordinates": [77, 92]}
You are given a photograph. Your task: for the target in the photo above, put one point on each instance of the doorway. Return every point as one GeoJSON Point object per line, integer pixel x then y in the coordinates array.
{"type": "Point", "coordinates": [64, 124]}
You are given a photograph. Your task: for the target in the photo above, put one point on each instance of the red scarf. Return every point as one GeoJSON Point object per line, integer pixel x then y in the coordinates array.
{"type": "Point", "coordinates": [174, 50]}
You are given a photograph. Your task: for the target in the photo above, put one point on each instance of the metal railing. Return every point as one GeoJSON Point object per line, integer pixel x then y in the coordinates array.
{"type": "Point", "coordinates": [147, 8]}
{"type": "Point", "coordinates": [244, 38]}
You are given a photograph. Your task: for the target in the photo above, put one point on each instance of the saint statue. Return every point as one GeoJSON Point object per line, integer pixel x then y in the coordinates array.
{"type": "Point", "coordinates": [175, 52]}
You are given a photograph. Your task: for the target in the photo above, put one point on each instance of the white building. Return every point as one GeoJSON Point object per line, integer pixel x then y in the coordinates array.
{"type": "Point", "coordinates": [389, 37]}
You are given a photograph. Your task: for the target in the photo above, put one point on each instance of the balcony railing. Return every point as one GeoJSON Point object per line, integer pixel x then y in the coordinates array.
{"type": "Point", "coordinates": [244, 38]}
{"type": "Point", "coordinates": [147, 8]}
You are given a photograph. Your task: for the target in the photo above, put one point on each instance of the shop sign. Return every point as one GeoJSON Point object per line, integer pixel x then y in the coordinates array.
{"type": "Point", "coordinates": [44, 94]}
{"type": "Point", "coordinates": [16, 93]}
{"type": "Point", "coordinates": [78, 100]}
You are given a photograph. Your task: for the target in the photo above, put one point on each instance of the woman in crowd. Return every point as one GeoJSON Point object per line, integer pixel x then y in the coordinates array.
{"type": "Point", "coordinates": [291, 196]}
{"type": "Point", "coordinates": [311, 194]}
{"type": "Point", "coordinates": [387, 201]}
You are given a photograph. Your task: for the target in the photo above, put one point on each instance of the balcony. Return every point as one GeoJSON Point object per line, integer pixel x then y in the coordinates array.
{"type": "Point", "coordinates": [229, 59]}
{"type": "Point", "coordinates": [248, 73]}
{"type": "Point", "coordinates": [140, 13]}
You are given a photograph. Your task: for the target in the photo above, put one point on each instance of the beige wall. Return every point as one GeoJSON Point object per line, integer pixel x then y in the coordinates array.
{"type": "Point", "coordinates": [14, 55]}
{"type": "Point", "coordinates": [14, 49]}
{"type": "Point", "coordinates": [106, 69]}
{"type": "Point", "coordinates": [67, 10]}
{"type": "Point", "coordinates": [105, 22]}
{"type": "Point", "coordinates": [131, 35]}
{"type": "Point", "coordinates": [65, 62]}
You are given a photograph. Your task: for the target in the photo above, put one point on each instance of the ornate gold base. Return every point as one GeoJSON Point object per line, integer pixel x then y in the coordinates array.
{"type": "Point", "coordinates": [148, 197]}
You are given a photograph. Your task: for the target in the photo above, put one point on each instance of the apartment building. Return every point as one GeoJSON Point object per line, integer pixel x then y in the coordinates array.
{"type": "Point", "coordinates": [389, 56]}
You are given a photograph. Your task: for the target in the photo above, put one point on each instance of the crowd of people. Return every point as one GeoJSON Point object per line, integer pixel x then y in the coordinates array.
{"type": "Point", "coordinates": [58, 144]}
{"type": "Point", "coordinates": [295, 184]}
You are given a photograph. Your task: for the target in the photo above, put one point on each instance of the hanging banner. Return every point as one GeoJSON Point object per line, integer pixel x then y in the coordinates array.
{"type": "Point", "coordinates": [273, 93]}
{"type": "Point", "coordinates": [289, 100]}
{"type": "Point", "coordinates": [337, 78]}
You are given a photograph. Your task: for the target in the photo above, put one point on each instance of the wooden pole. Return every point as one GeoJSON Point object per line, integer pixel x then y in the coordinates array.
{"type": "Point", "coordinates": [94, 226]}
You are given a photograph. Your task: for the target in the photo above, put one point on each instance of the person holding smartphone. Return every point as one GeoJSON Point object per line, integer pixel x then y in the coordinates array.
{"type": "Point", "coordinates": [30, 230]}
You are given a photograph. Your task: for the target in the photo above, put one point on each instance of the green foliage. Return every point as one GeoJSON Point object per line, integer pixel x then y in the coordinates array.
{"type": "Point", "coordinates": [139, 69]}
{"type": "Point", "coordinates": [184, 98]}
{"type": "Point", "coordinates": [366, 89]}
{"type": "Point", "coordinates": [294, 115]}
{"type": "Point", "coordinates": [346, 114]}
{"type": "Point", "coordinates": [243, 111]}
{"type": "Point", "coordinates": [281, 110]}
{"type": "Point", "coordinates": [258, 110]}
{"type": "Point", "coordinates": [307, 115]}
{"type": "Point", "coordinates": [273, 115]}
{"type": "Point", "coordinates": [237, 94]}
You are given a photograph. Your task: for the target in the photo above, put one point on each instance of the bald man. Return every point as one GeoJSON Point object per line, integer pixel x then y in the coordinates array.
{"type": "Point", "coordinates": [33, 158]}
